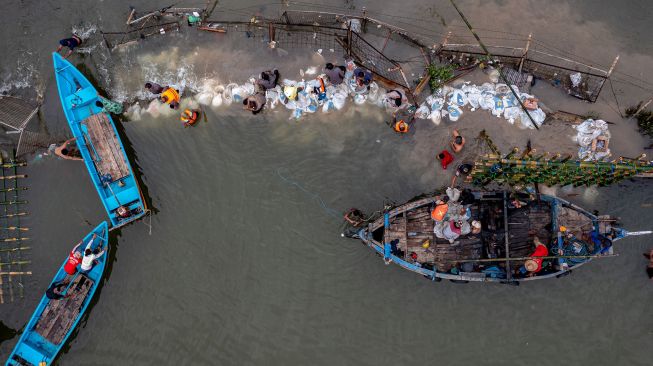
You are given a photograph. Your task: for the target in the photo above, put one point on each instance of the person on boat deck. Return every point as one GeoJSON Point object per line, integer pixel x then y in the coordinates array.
{"type": "Point", "coordinates": [73, 42]}
{"type": "Point", "coordinates": [268, 80]}
{"type": "Point", "coordinates": [649, 267]}
{"type": "Point", "coordinates": [445, 158]}
{"type": "Point", "coordinates": [457, 142]}
{"type": "Point", "coordinates": [68, 150]}
{"type": "Point", "coordinates": [171, 97]}
{"type": "Point", "coordinates": [74, 258]}
{"type": "Point", "coordinates": [452, 230]}
{"type": "Point", "coordinates": [154, 88]}
{"type": "Point", "coordinates": [90, 256]}
{"type": "Point", "coordinates": [54, 292]}
{"type": "Point", "coordinates": [440, 209]}
{"type": "Point", "coordinates": [476, 227]}
{"type": "Point", "coordinates": [109, 106]}
{"type": "Point", "coordinates": [534, 265]}
{"type": "Point", "coordinates": [336, 74]}
{"type": "Point", "coordinates": [254, 103]}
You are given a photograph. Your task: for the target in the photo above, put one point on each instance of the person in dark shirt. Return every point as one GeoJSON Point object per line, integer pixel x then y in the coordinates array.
{"type": "Point", "coordinates": [336, 74]}
{"type": "Point", "coordinates": [154, 88]}
{"type": "Point", "coordinates": [54, 292]}
{"type": "Point", "coordinates": [268, 80]}
{"type": "Point", "coordinates": [72, 43]}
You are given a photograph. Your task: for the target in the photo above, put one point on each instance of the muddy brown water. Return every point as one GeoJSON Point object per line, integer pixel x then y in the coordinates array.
{"type": "Point", "coordinates": [245, 264]}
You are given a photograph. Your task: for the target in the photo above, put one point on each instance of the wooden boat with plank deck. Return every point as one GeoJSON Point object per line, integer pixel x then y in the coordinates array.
{"type": "Point", "coordinates": [404, 235]}
{"type": "Point", "coordinates": [99, 145]}
{"type": "Point", "coordinates": [53, 321]}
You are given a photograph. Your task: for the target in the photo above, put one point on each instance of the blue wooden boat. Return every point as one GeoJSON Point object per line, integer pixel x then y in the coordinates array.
{"type": "Point", "coordinates": [408, 236]}
{"type": "Point", "coordinates": [54, 320]}
{"type": "Point", "coordinates": [99, 144]}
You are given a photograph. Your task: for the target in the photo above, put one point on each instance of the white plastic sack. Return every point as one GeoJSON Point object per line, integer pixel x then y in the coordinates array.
{"type": "Point", "coordinates": [458, 98]}
{"type": "Point", "coordinates": [216, 101]}
{"type": "Point", "coordinates": [497, 107]}
{"type": "Point", "coordinates": [575, 79]}
{"type": "Point", "coordinates": [538, 117]}
{"type": "Point", "coordinates": [474, 100]}
{"type": "Point", "coordinates": [486, 101]}
{"type": "Point", "coordinates": [436, 117]}
{"type": "Point", "coordinates": [454, 112]}
{"type": "Point", "coordinates": [422, 112]}
{"type": "Point", "coordinates": [511, 114]}
{"type": "Point", "coordinates": [205, 98]}
{"type": "Point", "coordinates": [359, 99]}
{"type": "Point", "coordinates": [228, 93]}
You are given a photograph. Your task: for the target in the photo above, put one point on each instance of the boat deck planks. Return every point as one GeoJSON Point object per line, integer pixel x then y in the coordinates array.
{"type": "Point", "coordinates": [105, 143]}
{"type": "Point", "coordinates": [59, 315]}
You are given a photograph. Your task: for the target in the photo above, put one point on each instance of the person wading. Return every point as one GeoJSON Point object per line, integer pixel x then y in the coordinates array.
{"type": "Point", "coordinates": [73, 42]}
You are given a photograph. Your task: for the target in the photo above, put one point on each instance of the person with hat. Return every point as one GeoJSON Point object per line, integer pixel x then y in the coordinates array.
{"type": "Point", "coordinates": [458, 141]}
{"type": "Point", "coordinates": [476, 227]}
{"type": "Point", "coordinates": [452, 230]}
{"type": "Point", "coordinates": [534, 264]}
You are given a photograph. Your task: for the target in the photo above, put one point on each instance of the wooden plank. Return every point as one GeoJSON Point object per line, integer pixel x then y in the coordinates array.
{"type": "Point", "coordinates": [105, 142]}
{"type": "Point", "coordinates": [505, 234]}
{"type": "Point", "coordinates": [59, 315]}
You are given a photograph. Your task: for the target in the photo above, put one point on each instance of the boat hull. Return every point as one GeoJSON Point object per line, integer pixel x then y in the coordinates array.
{"type": "Point", "coordinates": [378, 235]}
{"type": "Point", "coordinates": [33, 347]}
{"type": "Point", "coordinates": [78, 100]}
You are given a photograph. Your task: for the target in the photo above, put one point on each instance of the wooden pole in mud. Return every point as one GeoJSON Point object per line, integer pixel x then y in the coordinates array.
{"type": "Point", "coordinates": [523, 56]}
{"type": "Point", "coordinates": [503, 77]}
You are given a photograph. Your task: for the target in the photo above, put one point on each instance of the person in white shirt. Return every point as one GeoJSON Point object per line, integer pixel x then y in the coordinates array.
{"type": "Point", "coordinates": [90, 255]}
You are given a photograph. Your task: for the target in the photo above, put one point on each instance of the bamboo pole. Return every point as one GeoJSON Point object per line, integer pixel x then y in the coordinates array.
{"type": "Point", "coordinates": [15, 263]}
{"type": "Point", "coordinates": [14, 215]}
{"type": "Point", "coordinates": [15, 228]}
{"type": "Point", "coordinates": [14, 249]}
{"type": "Point", "coordinates": [538, 257]}
{"type": "Point", "coordinates": [503, 77]}
{"type": "Point", "coordinates": [523, 56]}
{"type": "Point", "coordinates": [12, 274]}
{"type": "Point", "coordinates": [8, 240]}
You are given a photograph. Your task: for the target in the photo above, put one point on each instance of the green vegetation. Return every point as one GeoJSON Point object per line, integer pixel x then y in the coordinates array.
{"type": "Point", "coordinates": [644, 119]}
{"type": "Point", "coordinates": [439, 75]}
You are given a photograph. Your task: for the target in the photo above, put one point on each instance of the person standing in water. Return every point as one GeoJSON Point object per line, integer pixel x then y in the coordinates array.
{"type": "Point", "coordinates": [68, 150]}
{"type": "Point", "coordinates": [73, 42]}
{"type": "Point", "coordinates": [154, 88]}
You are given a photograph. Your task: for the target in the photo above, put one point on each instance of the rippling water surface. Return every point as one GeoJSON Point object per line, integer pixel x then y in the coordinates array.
{"type": "Point", "coordinates": [243, 263]}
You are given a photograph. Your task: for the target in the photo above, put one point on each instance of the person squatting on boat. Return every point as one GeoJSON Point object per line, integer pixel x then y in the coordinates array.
{"type": "Point", "coordinates": [73, 42]}
{"type": "Point", "coordinates": [74, 258]}
{"type": "Point", "coordinates": [452, 217]}
{"type": "Point", "coordinates": [170, 96]}
{"type": "Point", "coordinates": [532, 266]}
{"type": "Point", "coordinates": [56, 291]}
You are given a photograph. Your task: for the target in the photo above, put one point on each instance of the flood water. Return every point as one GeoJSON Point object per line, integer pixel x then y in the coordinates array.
{"type": "Point", "coordinates": [242, 262]}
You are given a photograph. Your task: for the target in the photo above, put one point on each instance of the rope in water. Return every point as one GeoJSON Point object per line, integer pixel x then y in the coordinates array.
{"type": "Point", "coordinates": [314, 196]}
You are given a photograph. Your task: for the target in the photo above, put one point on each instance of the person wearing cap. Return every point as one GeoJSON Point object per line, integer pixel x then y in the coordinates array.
{"type": "Point", "coordinates": [457, 142]}
{"type": "Point", "coordinates": [476, 227]}
{"type": "Point", "coordinates": [534, 264]}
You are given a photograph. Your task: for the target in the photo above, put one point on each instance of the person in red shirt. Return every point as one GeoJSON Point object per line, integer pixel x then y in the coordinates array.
{"type": "Point", "coordinates": [445, 158]}
{"type": "Point", "coordinates": [74, 258]}
{"type": "Point", "coordinates": [534, 265]}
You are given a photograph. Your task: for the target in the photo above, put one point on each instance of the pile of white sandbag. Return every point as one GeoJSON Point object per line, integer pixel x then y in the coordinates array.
{"type": "Point", "coordinates": [495, 98]}
{"type": "Point", "coordinates": [593, 138]}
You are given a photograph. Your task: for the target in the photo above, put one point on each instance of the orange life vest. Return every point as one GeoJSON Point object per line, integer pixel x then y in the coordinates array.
{"type": "Point", "coordinates": [439, 211]}
{"type": "Point", "coordinates": [170, 95]}
{"type": "Point", "coordinates": [189, 117]}
{"type": "Point", "coordinates": [401, 126]}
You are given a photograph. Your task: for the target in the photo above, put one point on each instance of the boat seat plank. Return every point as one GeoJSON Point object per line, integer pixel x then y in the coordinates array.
{"type": "Point", "coordinates": [60, 315]}
{"type": "Point", "coordinates": [110, 160]}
